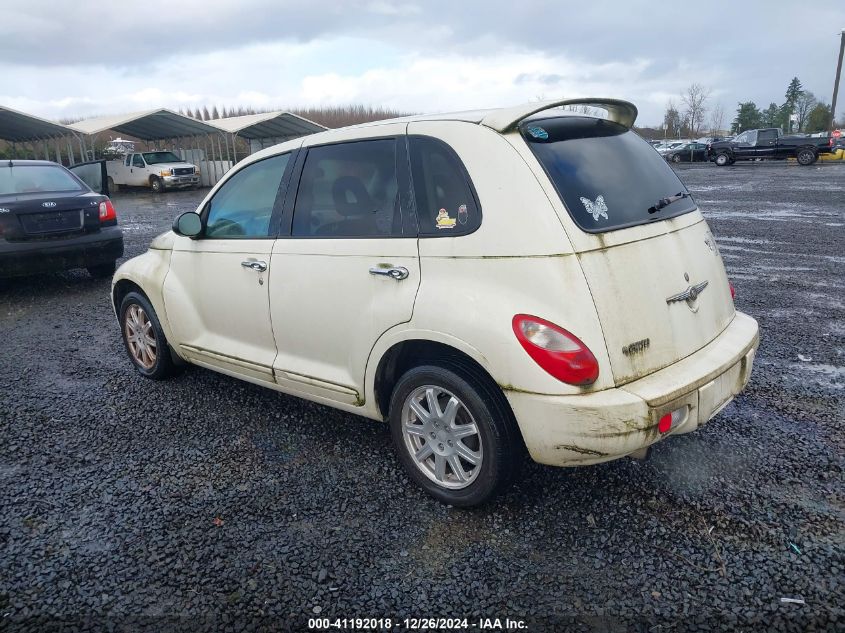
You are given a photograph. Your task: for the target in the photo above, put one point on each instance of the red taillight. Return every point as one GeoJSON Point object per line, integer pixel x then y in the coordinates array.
{"type": "Point", "coordinates": [107, 211]}
{"type": "Point", "coordinates": [557, 351]}
{"type": "Point", "coordinates": [665, 423]}
{"type": "Point", "coordinates": [733, 290]}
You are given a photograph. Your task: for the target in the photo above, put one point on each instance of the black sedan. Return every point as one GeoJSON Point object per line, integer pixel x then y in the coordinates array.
{"type": "Point", "coordinates": [691, 152]}
{"type": "Point", "coordinates": [50, 219]}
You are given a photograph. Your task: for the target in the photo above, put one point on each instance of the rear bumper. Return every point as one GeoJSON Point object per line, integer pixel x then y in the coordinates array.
{"type": "Point", "coordinates": [606, 425]}
{"type": "Point", "coordinates": [29, 258]}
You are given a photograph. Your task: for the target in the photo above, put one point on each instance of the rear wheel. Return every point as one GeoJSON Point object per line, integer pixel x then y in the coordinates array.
{"type": "Point", "coordinates": [807, 156]}
{"type": "Point", "coordinates": [101, 271]}
{"type": "Point", "coordinates": [143, 337]}
{"type": "Point", "coordinates": [676, 158]}
{"type": "Point", "coordinates": [157, 184]}
{"type": "Point", "coordinates": [453, 436]}
{"type": "Point", "coordinates": [723, 159]}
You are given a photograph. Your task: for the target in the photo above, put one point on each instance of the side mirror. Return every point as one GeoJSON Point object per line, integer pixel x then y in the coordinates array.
{"type": "Point", "coordinates": [188, 225]}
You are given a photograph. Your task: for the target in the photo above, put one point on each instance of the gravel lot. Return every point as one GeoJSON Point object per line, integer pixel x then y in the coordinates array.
{"type": "Point", "coordinates": [209, 503]}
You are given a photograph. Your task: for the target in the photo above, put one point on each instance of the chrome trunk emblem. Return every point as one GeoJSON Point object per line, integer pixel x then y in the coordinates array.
{"type": "Point", "coordinates": [690, 295]}
{"type": "Point", "coordinates": [48, 204]}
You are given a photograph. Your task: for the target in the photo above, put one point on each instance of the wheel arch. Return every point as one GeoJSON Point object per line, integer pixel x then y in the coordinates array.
{"type": "Point", "coordinates": [121, 288]}
{"type": "Point", "coordinates": [413, 351]}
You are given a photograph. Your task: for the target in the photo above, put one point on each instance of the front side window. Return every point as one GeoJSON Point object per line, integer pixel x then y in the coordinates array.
{"type": "Point", "coordinates": [446, 204]}
{"type": "Point", "coordinates": [349, 190]}
{"type": "Point", "coordinates": [137, 161]}
{"type": "Point", "coordinates": [35, 178]}
{"type": "Point", "coordinates": [767, 135]}
{"type": "Point", "coordinates": [243, 206]}
{"type": "Point", "coordinates": [606, 175]}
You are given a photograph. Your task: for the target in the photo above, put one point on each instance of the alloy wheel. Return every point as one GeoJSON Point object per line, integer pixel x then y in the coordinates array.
{"type": "Point", "coordinates": [442, 437]}
{"type": "Point", "coordinates": [140, 336]}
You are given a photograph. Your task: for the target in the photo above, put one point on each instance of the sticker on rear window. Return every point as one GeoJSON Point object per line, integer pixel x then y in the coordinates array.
{"type": "Point", "coordinates": [538, 132]}
{"type": "Point", "coordinates": [462, 214]}
{"type": "Point", "coordinates": [443, 221]}
{"type": "Point", "coordinates": [596, 209]}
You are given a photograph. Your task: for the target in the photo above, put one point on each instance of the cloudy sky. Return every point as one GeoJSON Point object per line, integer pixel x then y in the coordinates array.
{"type": "Point", "coordinates": [84, 58]}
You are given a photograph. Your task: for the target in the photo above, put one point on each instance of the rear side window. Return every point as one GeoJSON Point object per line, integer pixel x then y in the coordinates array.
{"type": "Point", "coordinates": [607, 176]}
{"type": "Point", "coordinates": [36, 178]}
{"type": "Point", "coordinates": [349, 190]}
{"type": "Point", "coordinates": [446, 204]}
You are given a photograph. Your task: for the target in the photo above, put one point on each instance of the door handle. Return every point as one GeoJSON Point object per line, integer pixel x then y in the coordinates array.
{"type": "Point", "coordinates": [397, 272]}
{"type": "Point", "coordinates": [254, 265]}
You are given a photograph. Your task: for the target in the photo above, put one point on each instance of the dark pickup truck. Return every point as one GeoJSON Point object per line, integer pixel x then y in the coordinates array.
{"type": "Point", "coordinates": [768, 144]}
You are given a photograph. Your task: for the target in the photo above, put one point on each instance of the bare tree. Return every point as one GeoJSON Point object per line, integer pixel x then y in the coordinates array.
{"type": "Point", "coordinates": [717, 119]}
{"type": "Point", "coordinates": [694, 100]}
{"type": "Point", "coordinates": [804, 104]}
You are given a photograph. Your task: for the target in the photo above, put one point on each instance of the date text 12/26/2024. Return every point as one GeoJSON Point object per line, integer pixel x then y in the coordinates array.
{"type": "Point", "coordinates": [414, 624]}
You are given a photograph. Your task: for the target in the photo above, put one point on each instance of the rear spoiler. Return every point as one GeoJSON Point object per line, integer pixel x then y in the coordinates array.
{"type": "Point", "coordinates": [506, 119]}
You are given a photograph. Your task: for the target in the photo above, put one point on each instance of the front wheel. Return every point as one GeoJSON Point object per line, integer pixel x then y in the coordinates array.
{"type": "Point", "coordinates": [807, 157]}
{"type": "Point", "coordinates": [722, 159]}
{"type": "Point", "coordinates": [676, 158]}
{"type": "Point", "coordinates": [453, 436]}
{"type": "Point", "coordinates": [143, 337]}
{"type": "Point", "coordinates": [157, 184]}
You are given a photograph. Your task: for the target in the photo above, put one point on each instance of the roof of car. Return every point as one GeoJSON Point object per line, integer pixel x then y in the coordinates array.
{"type": "Point", "coordinates": [505, 119]}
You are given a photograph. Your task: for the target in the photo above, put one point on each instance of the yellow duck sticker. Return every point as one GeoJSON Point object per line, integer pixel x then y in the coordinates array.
{"type": "Point", "coordinates": [443, 221]}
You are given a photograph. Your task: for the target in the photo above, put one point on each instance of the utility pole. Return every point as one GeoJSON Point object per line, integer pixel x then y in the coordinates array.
{"type": "Point", "coordinates": [836, 81]}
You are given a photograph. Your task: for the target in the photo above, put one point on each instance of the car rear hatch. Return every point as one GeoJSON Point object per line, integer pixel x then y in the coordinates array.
{"type": "Point", "coordinates": [652, 265]}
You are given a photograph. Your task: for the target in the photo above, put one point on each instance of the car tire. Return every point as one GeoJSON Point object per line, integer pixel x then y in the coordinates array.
{"type": "Point", "coordinates": [676, 158]}
{"type": "Point", "coordinates": [113, 188]}
{"type": "Point", "coordinates": [723, 159]}
{"type": "Point", "coordinates": [101, 271]}
{"type": "Point", "coordinates": [806, 157]}
{"type": "Point", "coordinates": [157, 184]}
{"type": "Point", "coordinates": [136, 316]}
{"type": "Point", "coordinates": [472, 423]}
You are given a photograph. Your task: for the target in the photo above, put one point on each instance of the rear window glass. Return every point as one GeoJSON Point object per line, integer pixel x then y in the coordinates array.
{"type": "Point", "coordinates": [607, 176]}
{"type": "Point", "coordinates": [36, 178]}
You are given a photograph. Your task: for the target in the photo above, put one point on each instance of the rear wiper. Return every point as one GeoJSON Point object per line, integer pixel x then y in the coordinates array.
{"type": "Point", "coordinates": [665, 202]}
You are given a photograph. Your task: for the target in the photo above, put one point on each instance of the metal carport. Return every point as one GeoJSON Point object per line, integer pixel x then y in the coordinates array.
{"type": "Point", "coordinates": [266, 129]}
{"type": "Point", "coordinates": [18, 127]}
{"type": "Point", "coordinates": [196, 141]}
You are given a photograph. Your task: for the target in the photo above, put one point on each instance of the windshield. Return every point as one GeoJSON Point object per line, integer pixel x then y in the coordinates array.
{"type": "Point", "coordinates": [607, 176]}
{"type": "Point", "coordinates": [34, 178]}
{"type": "Point", "coordinates": [154, 158]}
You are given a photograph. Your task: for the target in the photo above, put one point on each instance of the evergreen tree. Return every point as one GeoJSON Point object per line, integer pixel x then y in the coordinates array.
{"type": "Point", "coordinates": [771, 116]}
{"type": "Point", "coordinates": [818, 118]}
{"type": "Point", "coordinates": [748, 117]}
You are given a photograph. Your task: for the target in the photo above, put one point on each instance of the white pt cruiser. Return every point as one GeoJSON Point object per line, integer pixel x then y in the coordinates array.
{"type": "Point", "coordinates": [485, 282]}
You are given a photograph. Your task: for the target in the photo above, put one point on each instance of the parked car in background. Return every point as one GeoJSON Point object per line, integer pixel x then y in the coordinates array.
{"type": "Point", "coordinates": [668, 147]}
{"type": "Point", "coordinates": [50, 219]}
{"type": "Point", "coordinates": [768, 144]}
{"type": "Point", "coordinates": [384, 270]}
{"type": "Point", "coordinates": [687, 153]}
{"type": "Point", "coordinates": [157, 170]}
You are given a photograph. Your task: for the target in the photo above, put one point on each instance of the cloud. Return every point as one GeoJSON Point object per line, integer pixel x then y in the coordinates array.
{"type": "Point", "coordinates": [418, 56]}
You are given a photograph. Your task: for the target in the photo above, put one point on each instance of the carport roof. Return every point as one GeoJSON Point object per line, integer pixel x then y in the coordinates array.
{"type": "Point", "coordinates": [17, 127]}
{"type": "Point", "coordinates": [150, 125]}
{"type": "Point", "coordinates": [276, 124]}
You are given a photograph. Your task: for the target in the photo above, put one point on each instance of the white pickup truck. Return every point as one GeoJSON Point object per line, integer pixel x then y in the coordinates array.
{"type": "Point", "coordinates": [157, 170]}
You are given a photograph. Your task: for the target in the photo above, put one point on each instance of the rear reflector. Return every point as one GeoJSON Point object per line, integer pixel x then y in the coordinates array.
{"type": "Point", "coordinates": [733, 290]}
{"type": "Point", "coordinates": [671, 420]}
